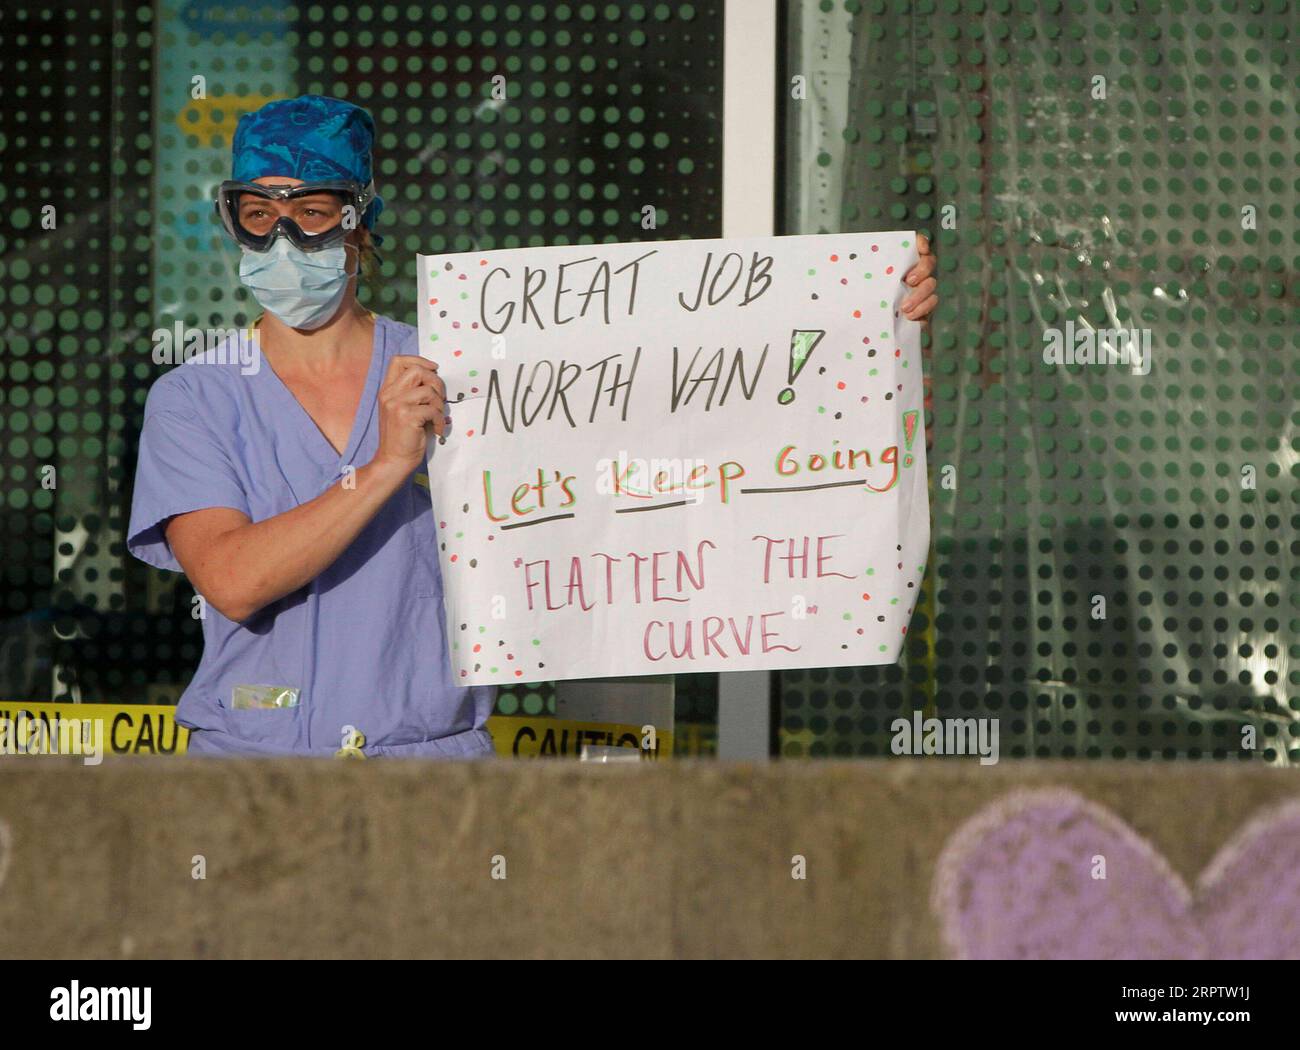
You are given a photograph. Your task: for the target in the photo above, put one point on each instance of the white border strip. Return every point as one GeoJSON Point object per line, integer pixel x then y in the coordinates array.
{"type": "Point", "coordinates": [748, 210]}
{"type": "Point", "coordinates": [749, 118]}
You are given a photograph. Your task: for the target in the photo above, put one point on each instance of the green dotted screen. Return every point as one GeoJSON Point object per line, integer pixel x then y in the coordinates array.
{"type": "Point", "coordinates": [499, 125]}
{"type": "Point", "coordinates": [1114, 565]}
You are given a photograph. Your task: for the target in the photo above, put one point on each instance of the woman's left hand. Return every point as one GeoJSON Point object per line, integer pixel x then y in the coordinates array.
{"type": "Point", "coordinates": [921, 303]}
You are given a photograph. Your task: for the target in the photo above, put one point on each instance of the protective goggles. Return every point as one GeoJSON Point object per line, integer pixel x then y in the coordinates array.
{"type": "Point", "coordinates": [311, 215]}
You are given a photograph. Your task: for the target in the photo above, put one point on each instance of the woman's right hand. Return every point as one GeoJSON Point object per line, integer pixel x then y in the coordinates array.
{"type": "Point", "coordinates": [412, 398]}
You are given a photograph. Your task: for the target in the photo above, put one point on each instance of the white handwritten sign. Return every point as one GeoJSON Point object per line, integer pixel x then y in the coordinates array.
{"type": "Point", "coordinates": [677, 455]}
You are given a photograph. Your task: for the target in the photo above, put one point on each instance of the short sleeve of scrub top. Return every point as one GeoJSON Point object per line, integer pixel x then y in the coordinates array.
{"type": "Point", "coordinates": [182, 467]}
{"type": "Point", "coordinates": [363, 646]}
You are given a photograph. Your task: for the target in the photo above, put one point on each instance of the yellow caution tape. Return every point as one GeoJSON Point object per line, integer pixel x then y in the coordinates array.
{"type": "Point", "coordinates": [89, 731]}
{"type": "Point", "coordinates": [521, 736]}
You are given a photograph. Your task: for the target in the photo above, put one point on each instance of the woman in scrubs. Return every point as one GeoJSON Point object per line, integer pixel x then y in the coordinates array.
{"type": "Point", "coordinates": [289, 491]}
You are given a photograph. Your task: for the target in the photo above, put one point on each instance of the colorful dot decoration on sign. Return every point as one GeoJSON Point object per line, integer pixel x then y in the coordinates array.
{"type": "Point", "coordinates": [530, 668]}
{"type": "Point", "coordinates": [818, 289]}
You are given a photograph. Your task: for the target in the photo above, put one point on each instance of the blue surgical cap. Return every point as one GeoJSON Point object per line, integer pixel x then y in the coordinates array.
{"type": "Point", "coordinates": [311, 138]}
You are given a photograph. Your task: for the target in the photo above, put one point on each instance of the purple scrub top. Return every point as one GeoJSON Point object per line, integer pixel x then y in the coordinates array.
{"type": "Point", "coordinates": [364, 644]}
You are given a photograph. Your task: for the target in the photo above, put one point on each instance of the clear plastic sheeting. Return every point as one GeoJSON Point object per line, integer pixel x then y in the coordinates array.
{"type": "Point", "coordinates": [1113, 198]}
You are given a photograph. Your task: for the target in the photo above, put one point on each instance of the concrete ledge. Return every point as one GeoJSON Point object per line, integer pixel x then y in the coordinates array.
{"type": "Point", "coordinates": [395, 859]}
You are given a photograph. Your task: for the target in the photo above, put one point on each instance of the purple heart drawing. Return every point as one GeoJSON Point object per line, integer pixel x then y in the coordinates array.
{"type": "Point", "coordinates": [1019, 880]}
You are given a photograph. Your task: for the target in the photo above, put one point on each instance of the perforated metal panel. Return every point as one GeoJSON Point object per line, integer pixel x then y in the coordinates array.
{"type": "Point", "coordinates": [1114, 569]}
{"type": "Point", "coordinates": [74, 197]}
{"type": "Point", "coordinates": [500, 125]}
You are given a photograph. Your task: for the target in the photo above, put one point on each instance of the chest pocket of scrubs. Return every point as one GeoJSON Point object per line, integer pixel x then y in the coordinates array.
{"type": "Point", "coordinates": [278, 726]}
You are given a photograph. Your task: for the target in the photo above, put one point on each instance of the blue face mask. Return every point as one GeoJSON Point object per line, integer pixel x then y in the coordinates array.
{"type": "Point", "coordinates": [302, 289]}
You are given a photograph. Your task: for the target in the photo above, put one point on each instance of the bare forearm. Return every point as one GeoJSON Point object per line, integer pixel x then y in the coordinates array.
{"type": "Point", "coordinates": [263, 561]}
